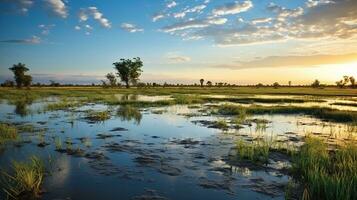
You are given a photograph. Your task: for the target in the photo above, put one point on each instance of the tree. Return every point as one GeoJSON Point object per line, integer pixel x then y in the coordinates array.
{"type": "Point", "coordinates": [340, 83]}
{"type": "Point", "coordinates": [27, 81]}
{"type": "Point", "coordinates": [129, 70]}
{"type": "Point", "coordinates": [112, 80]}
{"type": "Point", "coordinates": [209, 83]}
{"type": "Point", "coordinates": [346, 79]}
{"type": "Point", "coordinates": [19, 73]}
{"type": "Point", "coordinates": [352, 81]}
{"type": "Point", "coordinates": [289, 83]}
{"type": "Point", "coordinates": [201, 82]}
{"type": "Point", "coordinates": [276, 85]}
{"type": "Point", "coordinates": [316, 84]}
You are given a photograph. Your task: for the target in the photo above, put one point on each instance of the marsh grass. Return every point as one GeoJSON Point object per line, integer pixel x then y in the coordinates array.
{"type": "Point", "coordinates": [326, 175]}
{"type": "Point", "coordinates": [64, 104]}
{"type": "Point", "coordinates": [25, 179]}
{"type": "Point", "coordinates": [257, 151]}
{"type": "Point", "coordinates": [98, 116]}
{"type": "Point", "coordinates": [221, 124]}
{"type": "Point", "coordinates": [187, 99]}
{"type": "Point", "coordinates": [7, 132]}
{"type": "Point", "coordinates": [318, 112]}
{"type": "Point", "coordinates": [58, 143]}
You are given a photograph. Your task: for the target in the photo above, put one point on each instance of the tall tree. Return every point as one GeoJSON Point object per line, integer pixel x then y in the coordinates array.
{"type": "Point", "coordinates": [201, 81]}
{"type": "Point", "coordinates": [129, 70]}
{"type": "Point", "coordinates": [19, 73]}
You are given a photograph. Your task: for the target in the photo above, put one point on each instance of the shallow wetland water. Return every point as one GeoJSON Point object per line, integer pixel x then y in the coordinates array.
{"type": "Point", "coordinates": [166, 152]}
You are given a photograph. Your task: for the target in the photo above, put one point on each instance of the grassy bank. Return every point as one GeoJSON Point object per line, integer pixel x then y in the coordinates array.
{"type": "Point", "coordinates": [318, 112]}
{"type": "Point", "coordinates": [97, 92]}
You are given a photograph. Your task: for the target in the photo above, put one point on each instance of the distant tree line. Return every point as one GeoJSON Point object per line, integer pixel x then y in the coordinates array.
{"type": "Point", "coordinates": [128, 72]}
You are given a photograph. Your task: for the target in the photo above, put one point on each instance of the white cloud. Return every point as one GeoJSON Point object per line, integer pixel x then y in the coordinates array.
{"type": "Point", "coordinates": [233, 8]}
{"type": "Point", "coordinates": [58, 7]}
{"type": "Point", "coordinates": [171, 5]}
{"type": "Point", "coordinates": [45, 29]}
{"type": "Point", "coordinates": [85, 13]}
{"type": "Point", "coordinates": [195, 9]}
{"type": "Point", "coordinates": [131, 28]}
{"type": "Point", "coordinates": [77, 28]}
{"type": "Point", "coordinates": [194, 24]}
{"type": "Point", "coordinates": [313, 3]}
{"type": "Point", "coordinates": [284, 13]}
{"type": "Point", "coordinates": [261, 20]}
{"type": "Point", "coordinates": [157, 17]}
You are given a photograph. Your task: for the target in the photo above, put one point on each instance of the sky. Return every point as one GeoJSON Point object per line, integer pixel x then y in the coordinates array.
{"type": "Point", "coordinates": [181, 41]}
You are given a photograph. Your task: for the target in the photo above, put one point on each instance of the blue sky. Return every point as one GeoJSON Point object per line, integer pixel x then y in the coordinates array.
{"type": "Point", "coordinates": [181, 41]}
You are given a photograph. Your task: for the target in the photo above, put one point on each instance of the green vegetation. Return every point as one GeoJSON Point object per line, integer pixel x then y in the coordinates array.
{"type": "Point", "coordinates": [98, 116]}
{"type": "Point", "coordinates": [129, 70]}
{"type": "Point", "coordinates": [7, 132]}
{"type": "Point", "coordinates": [25, 180]}
{"type": "Point", "coordinates": [327, 175]}
{"type": "Point", "coordinates": [21, 78]}
{"type": "Point", "coordinates": [64, 104]}
{"type": "Point", "coordinates": [257, 151]}
{"type": "Point", "coordinates": [221, 124]}
{"type": "Point", "coordinates": [250, 100]}
{"type": "Point", "coordinates": [318, 112]}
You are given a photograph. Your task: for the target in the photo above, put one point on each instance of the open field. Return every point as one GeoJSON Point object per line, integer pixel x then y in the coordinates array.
{"type": "Point", "coordinates": [82, 91]}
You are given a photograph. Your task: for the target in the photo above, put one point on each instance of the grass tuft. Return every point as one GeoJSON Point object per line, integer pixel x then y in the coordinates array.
{"type": "Point", "coordinates": [7, 132]}
{"type": "Point", "coordinates": [327, 175]}
{"type": "Point", "coordinates": [26, 179]}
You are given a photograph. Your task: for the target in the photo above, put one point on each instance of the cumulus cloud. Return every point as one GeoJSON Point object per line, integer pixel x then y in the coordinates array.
{"type": "Point", "coordinates": [93, 12]}
{"type": "Point", "coordinates": [32, 40]}
{"type": "Point", "coordinates": [58, 7]}
{"type": "Point", "coordinates": [313, 3]}
{"type": "Point", "coordinates": [195, 9]}
{"type": "Point", "coordinates": [171, 4]}
{"type": "Point", "coordinates": [325, 21]}
{"type": "Point", "coordinates": [132, 28]}
{"type": "Point", "coordinates": [284, 13]}
{"type": "Point", "coordinates": [233, 8]}
{"type": "Point", "coordinates": [294, 61]}
{"type": "Point", "coordinates": [18, 6]}
{"type": "Point", "coordinates": [194, 24]}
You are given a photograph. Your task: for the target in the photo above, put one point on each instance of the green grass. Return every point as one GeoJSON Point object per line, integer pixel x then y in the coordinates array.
{"type": "Point", "coordinates": [250, 100]}
{"type": "Point", "coordinates": [7, 133]}
{"type": "Point", "coordinates": [92, 92]}
{"type": "Point", "coordinates": [326, 175]}
{"type": "Point", "coordinates": [98, 116]}
{"type": "Point", "coordinates": [221, 124]}
{"type": "Point", "coordinates": [257, 151]}
{"type": "Point", "coordinates": [25, 180]}
{"type": "Point", "coordinates": [318, 112]}
{"type": "Point", "coordinates": [62, 105]}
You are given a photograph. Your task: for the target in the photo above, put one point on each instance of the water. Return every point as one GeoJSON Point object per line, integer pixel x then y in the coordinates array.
{"type": "Point", "coordinates": [161, 152]}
